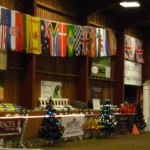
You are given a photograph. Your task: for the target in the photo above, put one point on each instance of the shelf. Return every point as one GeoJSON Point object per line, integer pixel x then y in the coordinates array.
{"type": "Point", "coordinates": [102, 79]}
{"type": "Point", "coordinates": [16, 68]}
{"type": "Point", "coordinates": [58, 74]}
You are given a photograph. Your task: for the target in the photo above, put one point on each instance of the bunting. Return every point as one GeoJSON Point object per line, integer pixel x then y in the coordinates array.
{"type": "Point", "coordinates": [15, 31]}
{"type": "Point", "coordinates": [25, 33]}
{"type": "Point", "coordinates": [45, 37]}
{"type": "Point", "coordinates": [70, 39]}
{"type": "Point", "coordinates": [54, 51]}
{"type": "Point", "coordinates": [62, 38]}
{"type": "Point", "coordinates": [3, 27]}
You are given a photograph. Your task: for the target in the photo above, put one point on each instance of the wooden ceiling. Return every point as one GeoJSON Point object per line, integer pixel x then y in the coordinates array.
{"type": "Point", "coordinates": [124, 17]}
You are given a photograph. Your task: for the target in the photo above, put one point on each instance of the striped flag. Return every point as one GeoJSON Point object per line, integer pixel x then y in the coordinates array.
{"type": "Point", "coordinates": [85, 41]}
{"type": "Point", "coordinates": [62, 39]}
{"type": "Point", "coordinates": [15, 31]}
{"type": "Point", "coordinates": [102, 42]}
{"type": "Point", "coordinates": [45, 37]}
{"type": "Point", "coordinates": [54, 51]}
{"type": "Point", "coordinates": [98, 42]}
{"type": "Point", "coordinates": [3, 27]}
{"type": "Point", "coordinates": [139, 51]}
{"type": "Point", "coordinates": [70, 39]}
{"type": "Point", "coordinates": [27, 32]}
{"type": "Point", "coordinates": [106, 43]}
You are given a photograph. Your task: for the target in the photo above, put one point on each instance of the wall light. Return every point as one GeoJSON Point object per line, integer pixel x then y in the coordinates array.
{"type": "Point", "coordinates": [130, 4]}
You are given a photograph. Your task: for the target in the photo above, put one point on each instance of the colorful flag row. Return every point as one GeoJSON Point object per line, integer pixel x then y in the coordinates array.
{"type": "Point", "coordinates": [24, 33]}
{"type": "Point", "coordinates": [133, 49]}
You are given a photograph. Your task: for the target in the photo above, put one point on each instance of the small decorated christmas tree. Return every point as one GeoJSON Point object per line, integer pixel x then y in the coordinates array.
{"type": "Point", "coordinates": [107, 120]}
{"type": "Point", "coordinates": [139, 118]}
{"type": "Point", "coordinates": [51, 129]}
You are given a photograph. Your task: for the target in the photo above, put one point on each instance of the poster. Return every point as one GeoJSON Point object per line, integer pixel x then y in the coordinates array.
{"type": "Point", "coordinates": [101, 67]}
{"type": "Point", "coordinates": [133, 73]}
{"type": "Point", "coordinates": [96, 104]}
{"type": "Point", "coordinates": [51, 89]}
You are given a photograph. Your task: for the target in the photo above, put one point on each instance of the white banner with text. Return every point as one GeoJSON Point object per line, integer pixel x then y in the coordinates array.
{"type": "Point", "coordinates": [133, 73]}
{"type": "Point", "coordinates": [73, 125]}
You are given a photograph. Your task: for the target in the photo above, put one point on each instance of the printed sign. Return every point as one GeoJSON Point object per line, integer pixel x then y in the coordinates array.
{"type": "Point", "coordinates": [96, 104]}
{"type": "Point", "coordinates": [73, 125]}
{"type": "Point", "coordinates": [101, 67]}
{"type": "Point", "coordinates": [10, 127]}
{"type": "Point", "coordinates": [51, 89]}
{"type": "Point", "coordinates": [133, 73]}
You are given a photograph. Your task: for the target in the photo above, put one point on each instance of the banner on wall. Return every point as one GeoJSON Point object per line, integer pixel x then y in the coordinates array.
{"type": "Point", "coordinates": [51, 89]}
{"type": "Point", "coordinates": [101, 67]}
{"type": "Point", "coordinates": [133, 73]}
{"type": "Point", "coordinates": [73, 125]}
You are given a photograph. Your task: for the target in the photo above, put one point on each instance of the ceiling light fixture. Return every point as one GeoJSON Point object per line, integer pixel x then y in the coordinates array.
{"type": "Point", "coordinates": [130, 4]}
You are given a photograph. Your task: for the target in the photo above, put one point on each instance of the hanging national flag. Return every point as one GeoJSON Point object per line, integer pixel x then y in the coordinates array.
{"type": "Point", "coordinates": [15, 31]}
{"type": "Point", "coordinates": [3, 27]}
{"type": "Point", "coordinates": [62, 38]}
{"type": "Point", "coordinates": [102, 43]}
{"type": "Point", "coordinates": [70, 39]}
{"type": "Point", "coordinates": [78, 36]}
{"type": "Point", "coordinates": [92, 50]}
{"type": "Point", "coordinates": [112, 42]}
{"type": "Point", "coordinates": [139, 51]}
{"type": "Point", "coordinates": [107, 50]}
{"type": "Point", "coordinates": [27, 33]}
{"type": "Point", "coordinates": [85, 41]}
{"type": "Point", "coordinates": [98, 42]}
{"type": "Point", "coordinates": [129, 48]}
{"type": "Point", "coordinates": [45, 37]}
{"type": "Point", "coordinates": [54, 47]}
{"type": "Point", "coordinates": [35, 36]}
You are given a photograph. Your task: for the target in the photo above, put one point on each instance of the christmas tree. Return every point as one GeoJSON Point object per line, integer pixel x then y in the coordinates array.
{"type": "Point", "coordinates": [51, 129]}
{"type": "Point", "coordinates": [139, 117]}
{"type": "Point", "coordinates": [107, 120]}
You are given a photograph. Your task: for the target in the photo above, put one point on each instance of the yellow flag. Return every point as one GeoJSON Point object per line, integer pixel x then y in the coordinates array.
{"type": "Point", "coordinates": [35, 36]}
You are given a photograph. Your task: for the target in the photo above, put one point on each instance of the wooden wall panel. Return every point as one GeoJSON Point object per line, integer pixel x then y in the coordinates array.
{"type": "Point", "coordinates": [19, 5]}
{"type": "Point", "coordinates": [12, 87]}
{"type": "Point", "coordinates": [101, 19]}
{"type": "Point", "coordinates": [59, 69]}
{"type": "Point", "coordinates": [107, 89]}
{"type": "Point", "coordinates": [13, 77]}
{"type": "Point", "coordinates": [68, 85]}
{"type": "Point", "coordinates": [57, 10]}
